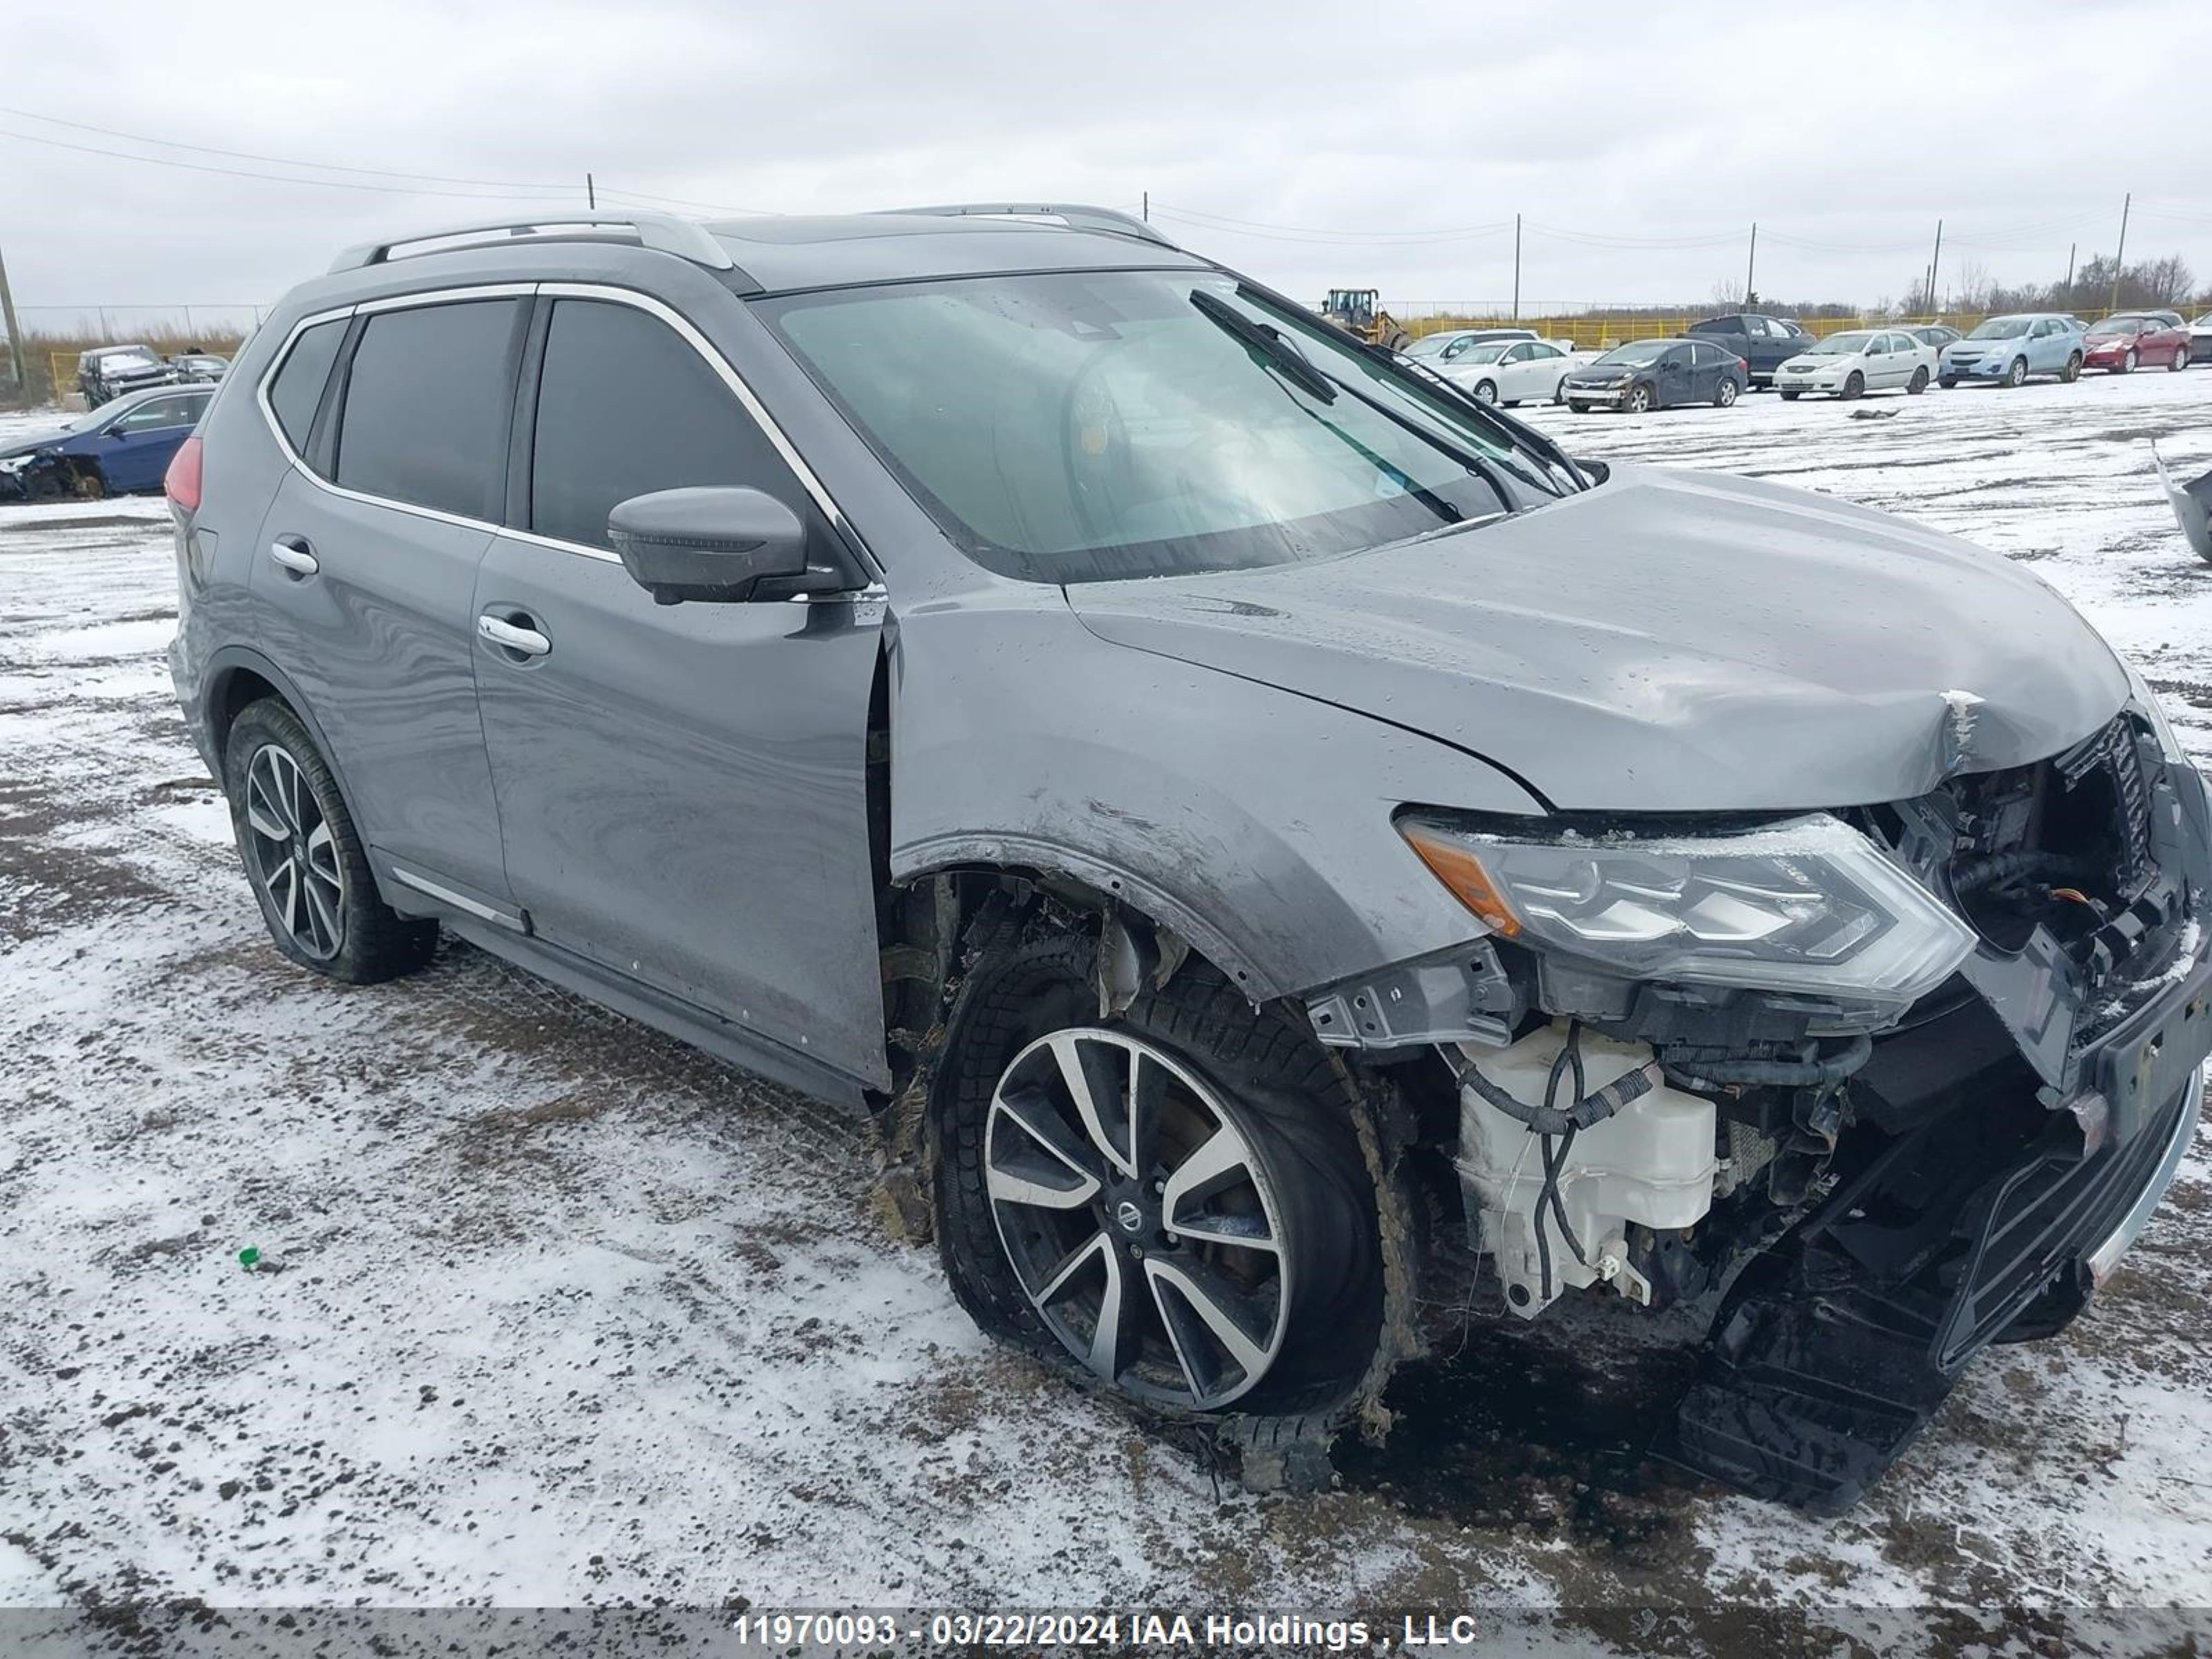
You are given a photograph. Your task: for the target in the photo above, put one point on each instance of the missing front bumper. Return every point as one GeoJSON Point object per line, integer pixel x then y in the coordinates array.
{"type": "Point", "coordinates": [1834, 1347]}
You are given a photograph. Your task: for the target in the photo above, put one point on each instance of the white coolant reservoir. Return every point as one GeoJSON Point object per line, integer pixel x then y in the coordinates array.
{"type": "Point", "coordinates": [1651, 1162]}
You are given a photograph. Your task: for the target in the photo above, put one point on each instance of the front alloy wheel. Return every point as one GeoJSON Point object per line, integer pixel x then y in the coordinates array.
{"type": "Point", "coordinates": [1139, 1217]}
{"type": "Point", "coordinates": [2016, 376]}
{"type": "Point", "coordinates": [1486, 392]}
{"type": "Point", "coordinates": [1639, 400]}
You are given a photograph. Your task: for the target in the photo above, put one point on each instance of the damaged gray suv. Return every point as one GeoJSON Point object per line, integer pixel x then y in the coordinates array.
{"type": "Point", "coordinates": [1272, 842]}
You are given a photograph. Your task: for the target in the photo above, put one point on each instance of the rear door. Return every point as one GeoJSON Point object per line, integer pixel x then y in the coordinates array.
{"type": "Point", "coordinates": [367, 558]}
{"type": "Point", "coordinates": [684, 788]}
{"type": "Point", "coordinates": [135, 450]}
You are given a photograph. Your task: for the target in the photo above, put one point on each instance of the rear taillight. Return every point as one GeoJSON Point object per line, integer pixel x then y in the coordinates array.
{"type": "Point", "coordinates": [1744, 363]}
{"type": "Point", "coordinates": [181, 482]}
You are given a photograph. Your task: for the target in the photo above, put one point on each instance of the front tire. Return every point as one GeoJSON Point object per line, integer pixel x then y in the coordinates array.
{"type": "Point", "coordinates": [304, 858]}
{"type": "Point", "coordinates": [1639, 400]}
{"type": "Point", "coordinates": [1854, 386]}
{"type": "Point", "coordinates": [1174, 1199]}
{"type": "Point", "coordinates": [1947, 381]}
{"type": "Point", "coordinates": [1789, 397]}
{"type": "Point", "coordinates": [1486, 392]}
{"type": "Point", "coordinates": [2128, 363]}
{"type": "Point", "coordinates": [2016, 376]}
{"type": "Point", "coordinates": [1574, 408]}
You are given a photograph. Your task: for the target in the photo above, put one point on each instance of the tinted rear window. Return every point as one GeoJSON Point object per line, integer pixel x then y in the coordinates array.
{"type": "Point", "coordinates": [298, 387]}
{"type": "Point", "coordinates": [625, 407]}
{"type": "Point", "coordinates": [427, 402]}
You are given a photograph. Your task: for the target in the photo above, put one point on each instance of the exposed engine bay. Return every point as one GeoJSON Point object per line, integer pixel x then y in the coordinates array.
{"type": "Point", "coordinates": [1892, 1077]}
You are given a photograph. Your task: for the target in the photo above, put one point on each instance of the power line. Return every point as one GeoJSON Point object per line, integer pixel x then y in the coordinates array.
{"type": "Point", "coordinates": [279, 161]}
{"type": "Point", "coordinates": [272, 177]}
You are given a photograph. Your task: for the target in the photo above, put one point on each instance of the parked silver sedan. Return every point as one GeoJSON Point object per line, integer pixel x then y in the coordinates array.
{"type": "Point", "coordinates": [1859, 360]}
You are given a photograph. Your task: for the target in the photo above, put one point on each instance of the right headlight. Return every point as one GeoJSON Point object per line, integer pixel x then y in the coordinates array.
{"type": "Point", "coordinates": [1807, 905]}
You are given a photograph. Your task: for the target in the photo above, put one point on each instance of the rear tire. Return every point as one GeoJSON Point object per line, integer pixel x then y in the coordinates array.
{"type": "Point", "coordinates": [304, 858]}
{"type": "Point", "coordinates": [1216, 1073]}
{"type": "Point", "coordinates": [1725, 395]}
{"type": "Point", "coordinates": [1918, 384]}
{"type": "Point", "coordinates": [2178, 362]}
{"type": "Point", "coordinates": [2072, 372]}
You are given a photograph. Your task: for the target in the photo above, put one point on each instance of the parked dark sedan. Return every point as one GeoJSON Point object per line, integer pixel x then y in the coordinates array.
{"type": "Point", "coordinates": [1658, 375]}
{"type": "Point", "coordinates": [1764, 342]}
{"type": "Point", "coordinates": [123, 446]}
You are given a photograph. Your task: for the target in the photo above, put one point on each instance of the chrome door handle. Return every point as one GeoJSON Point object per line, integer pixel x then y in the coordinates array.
{"type": "Point", "coordinates": [297, 559]}
{"type": "Point", "coordinates": [528, 641]}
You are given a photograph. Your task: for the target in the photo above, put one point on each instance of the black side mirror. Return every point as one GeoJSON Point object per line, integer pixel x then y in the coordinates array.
{"type": "Point", "coordinates": [718, 545]}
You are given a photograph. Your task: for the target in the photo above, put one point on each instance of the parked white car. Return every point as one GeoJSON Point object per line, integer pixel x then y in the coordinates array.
{"type": "Point", "coordinates": [1859, 360]}
{"type": "Point", "coordinates": [2200, 339]}
{"type": "Point", "coordinates": [1514, 371]}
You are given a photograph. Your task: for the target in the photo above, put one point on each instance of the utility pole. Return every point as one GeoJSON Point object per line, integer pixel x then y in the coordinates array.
{"type": "Point", "coordinates": [2120, 259]}
{"type": "Point", "coordinates": [1751, 264]}
{"type": "Point", "coordinates": [590, 193]}
{"type": "Point", "coordinates": [15, 345]}
{"type": "Point", "coordinates": [2066, 294]}
{"type": "Point", "coordinates": [1935, 263]}
{"type": "Point", "coordinates": [1148, 207]}
{"type": "Point", "coordinates": [1516, 267]}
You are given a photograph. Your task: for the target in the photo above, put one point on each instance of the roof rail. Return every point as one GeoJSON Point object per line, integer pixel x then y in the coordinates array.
{"type": "Point", "coordinates": [666, 232]}
{"type": "Point", "coordinates": [1073, 216]}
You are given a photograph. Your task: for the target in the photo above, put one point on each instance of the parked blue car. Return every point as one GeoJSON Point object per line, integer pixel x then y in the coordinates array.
{"type": "Point", "coordinates": [2007, 350]}
{"type": "Point", "coordinates": [119, 447]}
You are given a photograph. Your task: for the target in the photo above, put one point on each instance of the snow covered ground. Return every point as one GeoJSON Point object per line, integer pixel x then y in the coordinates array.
{"type": "Point", "coordinates": [564, 1312]}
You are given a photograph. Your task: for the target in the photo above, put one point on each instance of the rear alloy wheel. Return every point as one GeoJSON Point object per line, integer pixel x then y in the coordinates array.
{"type": "Point", "coordinates": [2016, 376]}
{"type": "Point", "coordinates": [1175, 1200]}
{"type": "Point", "coordinates": [1726, 395]}
{"type": "Point", "coordinates": [1918, 383]}
{"type": "Point", "coordinates": [1854, 386]}
{"type": "Point", "coordinates": [2072, 372]}
{"type": "Point", "coordinates": [1486, 392]}
{"type": "Point", "coordinates": [1639, 400]}
{"type": "Point", "coordinates": [305, 859]}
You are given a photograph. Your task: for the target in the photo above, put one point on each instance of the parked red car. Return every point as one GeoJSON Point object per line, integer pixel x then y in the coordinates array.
{"type": "Point", "coordinates": [2128, 338]}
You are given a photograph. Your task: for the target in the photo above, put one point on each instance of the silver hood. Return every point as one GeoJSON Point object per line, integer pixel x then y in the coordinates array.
{"type": "Point", "coordinates": [1670, 642]}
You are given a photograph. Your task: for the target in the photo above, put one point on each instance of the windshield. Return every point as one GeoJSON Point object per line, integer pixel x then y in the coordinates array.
{"type": "Point", "coordinates": [2000, 328]}
{"type": "Point", "coordinates": [1637, 352]}
{"type": "Point", "coordinates": [1848, 343]}
{"type": "Point", "coordinates": [1092, 425]}
{"type": "Point", "coordinates": [2119, 325]}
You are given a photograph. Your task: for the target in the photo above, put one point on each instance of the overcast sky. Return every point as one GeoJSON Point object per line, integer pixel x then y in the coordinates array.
{"type": "Point", "coordinates": [1368, 146]}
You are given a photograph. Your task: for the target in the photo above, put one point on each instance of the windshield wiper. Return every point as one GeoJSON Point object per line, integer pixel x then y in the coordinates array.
{"type": "Point", "coordinates": [1273, 350]}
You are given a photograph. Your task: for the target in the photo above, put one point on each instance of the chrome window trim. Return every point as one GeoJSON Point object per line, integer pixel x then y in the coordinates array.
{"type": "Point", "coordinates": [778, 440]}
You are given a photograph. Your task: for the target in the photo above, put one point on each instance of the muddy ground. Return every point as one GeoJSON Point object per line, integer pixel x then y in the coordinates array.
{"type": "Point", "coordinates": [553, 1310]}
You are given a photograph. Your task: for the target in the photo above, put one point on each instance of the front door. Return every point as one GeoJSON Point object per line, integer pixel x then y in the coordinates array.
{"type": "Point", "coordinates": [361, 581]}
{"type": "Point", "coordinates": [683, 788]}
